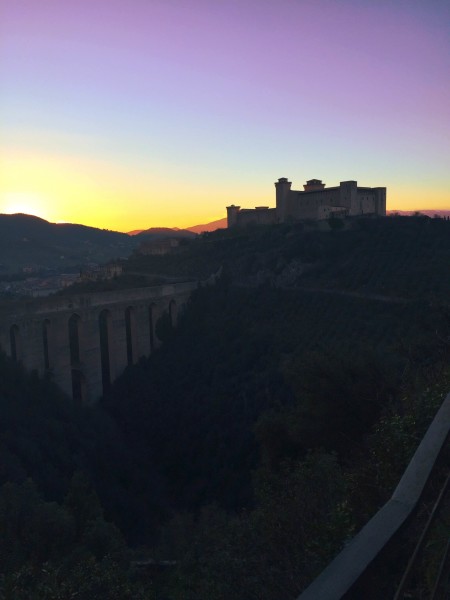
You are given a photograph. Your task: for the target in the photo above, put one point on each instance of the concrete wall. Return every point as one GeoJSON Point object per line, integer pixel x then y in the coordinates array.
{"type": "Point", "coordinates": [37, 333]}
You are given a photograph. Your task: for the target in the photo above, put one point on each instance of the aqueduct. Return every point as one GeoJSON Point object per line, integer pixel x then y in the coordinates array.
{"type": "Point", "coordinates": [86, 341]}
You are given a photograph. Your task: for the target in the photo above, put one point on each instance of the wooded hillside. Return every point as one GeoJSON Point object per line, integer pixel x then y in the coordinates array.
{"type": "Point", "coordinates": [271, 424]}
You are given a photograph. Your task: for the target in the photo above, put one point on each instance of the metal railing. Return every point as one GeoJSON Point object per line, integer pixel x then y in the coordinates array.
{"type": "Point", "coordinates": [348, 566]}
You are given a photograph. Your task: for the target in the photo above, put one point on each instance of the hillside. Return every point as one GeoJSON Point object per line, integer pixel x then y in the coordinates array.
{"type": "Point", "coordinates": [162, 233]}
{"type": "Point", "coordinates": [212, 226]}
{"type": "Point", "coordinates": [273, 421]}
{"type": "Point", "coordinates": [159, 233]}
{"type": "Point", "coordinates": [399, 256]}
{"type": "Point", "coordinates": [287, 403]}
{"type": "Point", "coordinates": [292, 303]}
{"type": "Point", "coordinates": [30, 241]}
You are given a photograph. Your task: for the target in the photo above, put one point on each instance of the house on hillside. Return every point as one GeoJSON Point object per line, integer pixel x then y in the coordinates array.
{"type": "Point", "coordinates": [315, 202]}
{"type": "Point", "coordinates": [158, 247]}
{"type": "Point", "coordinates": [101, 272]}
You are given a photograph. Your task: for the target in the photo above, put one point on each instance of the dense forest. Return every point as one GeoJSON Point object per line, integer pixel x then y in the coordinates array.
{"type": "Point", "coordinates": [271, 424]}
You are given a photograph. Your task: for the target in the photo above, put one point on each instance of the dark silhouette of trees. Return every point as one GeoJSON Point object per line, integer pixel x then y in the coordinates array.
{"type": "Point", "coordinates": [275, 417]}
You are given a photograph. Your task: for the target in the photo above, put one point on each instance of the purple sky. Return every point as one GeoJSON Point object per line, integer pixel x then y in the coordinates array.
{"type": "Point", "coordinates": [136, 113]}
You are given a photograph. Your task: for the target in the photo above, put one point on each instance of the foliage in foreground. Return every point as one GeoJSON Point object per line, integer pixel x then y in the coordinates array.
{"type": "Point", "coordinates": [300, 521]}
{"type": "Point", "coordinates": [53, 551]}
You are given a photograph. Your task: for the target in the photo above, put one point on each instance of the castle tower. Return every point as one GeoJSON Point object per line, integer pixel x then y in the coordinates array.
{"type": "Point", "coordinates": [313, 185]}
{"type": "Point", "coordinates": [348, 196]}
{"type": "Point", "coordinates": [283, 188]}
{"type": "Point", "coordinates": [232, 215]}
{"type": "Point", "coordinates": [380, 201]}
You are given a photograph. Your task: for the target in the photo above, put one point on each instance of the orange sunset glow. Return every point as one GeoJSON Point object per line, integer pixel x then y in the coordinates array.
{"type": "Point", "coordinates": [167, 127]}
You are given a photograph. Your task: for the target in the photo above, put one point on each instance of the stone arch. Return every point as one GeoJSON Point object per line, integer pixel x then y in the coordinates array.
{"type": "Point", "coordinates": [173, 313]}
{"type": "Point", "coordinates": [105, 332]}
{"type": "Point", "coordinates": [78, 378]}
{"type": "Point", "coordinates": [15, 343]}
{"type": "Point", "coordinates": [74, 340]}
{"type": "Point", "coordinates": [131, 335]}
{"type": "Point", "coordinates": [78, 385]}
{"type": "Point", "coordinates": [46, 345]}
{"type": "Point", "coordinates": [151, 325]}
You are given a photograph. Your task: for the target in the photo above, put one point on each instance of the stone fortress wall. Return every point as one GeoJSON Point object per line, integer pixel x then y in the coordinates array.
{"type": "Point", "coordinates": [85, 342]}
{"type": "Point", "coordinates": [315, 202]}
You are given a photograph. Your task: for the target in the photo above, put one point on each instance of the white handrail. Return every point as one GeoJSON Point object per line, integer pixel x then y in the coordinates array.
{"type": "Point", "coordinates": [339, 576]}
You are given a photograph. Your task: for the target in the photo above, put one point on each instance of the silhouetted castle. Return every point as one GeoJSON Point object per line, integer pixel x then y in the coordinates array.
{"type": "Point", "coordinates": [315, 202]}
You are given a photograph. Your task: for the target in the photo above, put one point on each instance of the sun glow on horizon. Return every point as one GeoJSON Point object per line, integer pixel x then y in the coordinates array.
{"type": "Point", "coordinates": [74, 188]}
{"type": "Point", "coordinates": [162, 131]}
{"type": "Point", "coordinates": [26, 203]}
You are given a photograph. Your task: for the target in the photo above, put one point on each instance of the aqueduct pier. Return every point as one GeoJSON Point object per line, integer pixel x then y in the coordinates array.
{"type": "Point", "coordinates": [84, 342]}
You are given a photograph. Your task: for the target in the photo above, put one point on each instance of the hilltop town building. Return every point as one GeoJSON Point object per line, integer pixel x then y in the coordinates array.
{"type": "Point", "coordinates": [316, 202]}
{"type": "Point", "coordinates": [159, 247]}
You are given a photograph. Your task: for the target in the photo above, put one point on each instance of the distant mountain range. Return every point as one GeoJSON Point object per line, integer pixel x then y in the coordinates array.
{"type": "Point", "coordinates": [165, 231]}
{"type": "Point", "coordinates": [220, 224]}
{"type": "Point", "coordinates": [429, 212]}
{"type": "Point", "coordinates": [161, 233]}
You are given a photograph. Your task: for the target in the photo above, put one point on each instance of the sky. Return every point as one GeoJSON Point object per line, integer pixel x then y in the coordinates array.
{"type": "Point", "coordinates": [127, 114]}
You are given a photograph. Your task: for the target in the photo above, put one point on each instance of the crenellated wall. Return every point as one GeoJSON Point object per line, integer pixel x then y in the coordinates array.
{"type": "Point", "coordinates": [85, 342]}
{"type": "Point", "coordinates": [316, 202]}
